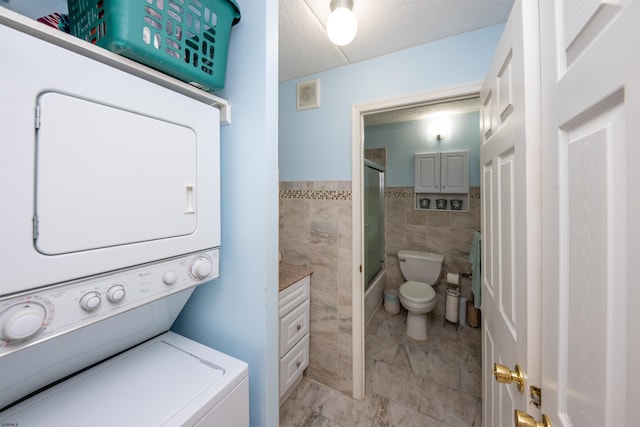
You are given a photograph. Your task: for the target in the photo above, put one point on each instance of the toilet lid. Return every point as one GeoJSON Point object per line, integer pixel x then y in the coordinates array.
{"type": "Point", "coordinates": [417, 291]}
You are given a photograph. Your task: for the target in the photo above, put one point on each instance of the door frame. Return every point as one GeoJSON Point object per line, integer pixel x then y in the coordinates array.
{"type": "Point", "coordinates": [358, 111]}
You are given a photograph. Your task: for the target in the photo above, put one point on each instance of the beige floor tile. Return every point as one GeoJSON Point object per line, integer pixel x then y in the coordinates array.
{"type": "Point", "coordinates": [392, 414]}
{"type": "Point", "coordinates": [448, 405]}
{"type": "Point", "coordinates": [443, 371]}
{"type": "Point", "coordinates": [397, 384]}
{"type": "Point", "coordinates": [432, 383]}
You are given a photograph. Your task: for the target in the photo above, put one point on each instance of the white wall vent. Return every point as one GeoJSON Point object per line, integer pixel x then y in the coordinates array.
{"type": "Point", "coordinates": [308, 95]}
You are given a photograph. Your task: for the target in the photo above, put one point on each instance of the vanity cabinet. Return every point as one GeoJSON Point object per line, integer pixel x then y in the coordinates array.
{"type": "Point", "coordinates": [293, 313]}
{"type": "Point", "coordinates": [443, 176]}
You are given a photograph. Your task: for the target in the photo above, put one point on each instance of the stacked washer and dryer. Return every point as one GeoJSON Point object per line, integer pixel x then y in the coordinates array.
{"type": "Point", "coordinates": [110, 218]}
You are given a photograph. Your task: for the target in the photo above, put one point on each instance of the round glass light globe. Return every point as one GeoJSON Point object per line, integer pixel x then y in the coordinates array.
{"type": "Point", "coordinates": [342, 26]}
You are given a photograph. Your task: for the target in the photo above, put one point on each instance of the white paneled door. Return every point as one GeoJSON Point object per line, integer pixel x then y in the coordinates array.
{"type": "Point", "coordinates": [591, 198]}
{"type": "Point", "coordinates": [561, 214]}
{"type": "Point", "coordinates": [511, 239]}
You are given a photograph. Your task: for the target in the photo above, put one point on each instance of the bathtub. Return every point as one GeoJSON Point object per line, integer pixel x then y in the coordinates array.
{"type": "Point", "coordinates": [373, 296]}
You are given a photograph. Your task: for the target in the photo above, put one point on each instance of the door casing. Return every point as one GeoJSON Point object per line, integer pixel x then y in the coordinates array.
{"type": "Point", "coordinates": [358, 111]}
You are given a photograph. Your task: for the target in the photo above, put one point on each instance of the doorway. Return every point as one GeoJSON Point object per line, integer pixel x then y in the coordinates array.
{"type": "Point", "coordinates": [358, 280]}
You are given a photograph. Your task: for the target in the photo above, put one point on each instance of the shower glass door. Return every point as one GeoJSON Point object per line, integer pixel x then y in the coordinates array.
{"type": "Point", "coordinates": [373, 220]}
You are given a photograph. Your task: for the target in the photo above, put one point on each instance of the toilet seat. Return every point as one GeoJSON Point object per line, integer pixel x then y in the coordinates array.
{"type": "Point", "coordinates": [417, 292]}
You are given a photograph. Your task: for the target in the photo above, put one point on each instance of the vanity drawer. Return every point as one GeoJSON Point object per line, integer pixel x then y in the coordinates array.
{"type": "Point", "coordinates": [293, 326]}
{"type": "Point", "coordinates": [293, 363]}
{"type": "Point", "coordinates": [293, 296]}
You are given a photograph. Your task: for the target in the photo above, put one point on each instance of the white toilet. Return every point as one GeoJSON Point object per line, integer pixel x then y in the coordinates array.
{"type": "Point", "coordinates": [421, 270]}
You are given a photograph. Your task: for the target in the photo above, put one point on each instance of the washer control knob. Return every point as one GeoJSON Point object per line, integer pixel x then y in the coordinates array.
{"type": "Point", "coordinates": [169, 277]}
{"type": "Point", "coordinates": [21, 321]}
{"type": "Point", "coordinates": [201, 267]}
{"type": "Point", "coordinates": [115, 293]}
{"type": "Point", "coordinates": [90, 300]}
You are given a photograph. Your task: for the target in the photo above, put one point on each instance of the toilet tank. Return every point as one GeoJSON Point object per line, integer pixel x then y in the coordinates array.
{"type": "Point", "coordinates": [420, 266]}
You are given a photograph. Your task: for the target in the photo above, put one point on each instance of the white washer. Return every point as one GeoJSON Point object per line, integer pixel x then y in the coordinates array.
{"type": "Point", "coordinates": [167, 381]}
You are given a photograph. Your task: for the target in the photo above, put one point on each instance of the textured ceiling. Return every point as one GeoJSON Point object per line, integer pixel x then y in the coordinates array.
{"type": "Point", "coordinates": [419, 112]}
{"type": "Point", "coordinates": [384, 26]}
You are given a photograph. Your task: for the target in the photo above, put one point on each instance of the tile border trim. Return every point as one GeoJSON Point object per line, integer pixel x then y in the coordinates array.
{"type": "Point", "coordinates": [316, 194]}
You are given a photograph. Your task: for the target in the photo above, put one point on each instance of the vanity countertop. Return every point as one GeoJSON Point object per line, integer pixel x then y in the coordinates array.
{"type": "Point", "coordinates": [290, 274]}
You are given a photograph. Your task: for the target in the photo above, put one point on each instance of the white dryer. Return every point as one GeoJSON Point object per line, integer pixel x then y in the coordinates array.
{"type": "Point", "coordinates": [114, 183]}
{"type": "Point", "coordinates": [167, 381]}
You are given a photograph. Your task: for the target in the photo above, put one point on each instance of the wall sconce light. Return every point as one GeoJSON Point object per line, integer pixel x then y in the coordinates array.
{"type": "Point", "coordinates": [342, 24]}
{"type": "Point", "coordinates": [440, 130]}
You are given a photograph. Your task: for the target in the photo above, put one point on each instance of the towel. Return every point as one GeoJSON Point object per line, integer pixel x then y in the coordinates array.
{"type": "Point", "coordinates": [476, 260]}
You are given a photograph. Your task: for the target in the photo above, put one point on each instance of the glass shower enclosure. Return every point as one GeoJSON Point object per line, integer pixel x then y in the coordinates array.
{"type": "Point", "coordinates": [373, 221]}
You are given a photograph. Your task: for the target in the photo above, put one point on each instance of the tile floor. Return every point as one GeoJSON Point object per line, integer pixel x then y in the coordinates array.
{"type": "Point", "coordinates": [436, 383]}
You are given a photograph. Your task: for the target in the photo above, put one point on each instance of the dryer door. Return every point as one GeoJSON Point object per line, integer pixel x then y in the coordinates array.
{"type": "Point", "coordinates": [107, 177]}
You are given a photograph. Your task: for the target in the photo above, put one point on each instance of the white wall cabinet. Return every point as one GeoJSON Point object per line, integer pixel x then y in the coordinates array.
{"type": "Point", "coordinates": [442, 176]}
{"type": "Point", "coordinates": [293, 312]}
{"type": "Point", "coordinates": [427, 173]}
{"type": "Point", "coordinates": [446, 172]}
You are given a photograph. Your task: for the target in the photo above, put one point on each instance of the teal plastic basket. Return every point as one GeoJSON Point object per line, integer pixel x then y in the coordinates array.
{"type": "Point", "coordinates": [186, 39]}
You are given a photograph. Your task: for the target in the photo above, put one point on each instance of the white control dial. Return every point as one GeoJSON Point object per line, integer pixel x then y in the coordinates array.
{"type": "Point", "coordinates": [90, 301]}
{"type": "Point", "coordinates": [115, 293]}
{"type": "Point", "coordinates": [201, 267]}
{"type": "Point", "coordinates": [169, 277]}
{"type": "Point", "coordinates": [21, 321]}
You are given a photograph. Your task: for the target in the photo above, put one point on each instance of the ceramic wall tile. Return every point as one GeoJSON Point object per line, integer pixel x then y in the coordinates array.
{"type": "Point", "coordinates": [447, 233]}
{"type": "Point", "coordinates": [416, 217]}
{"type": "Point", "coordinates": [395, 212]}
{"type": "Point", "coordinates": [315, 230]}
{"type": "Point", "coordinates": [344, 223]}
{"type": "Point", "coordinates": [417, 238]}
{"type": "Point", "coordinates": [296, 227]}
{"type": "Point", "coordinates": [316, 222]}
{"type": "Point", "coordinates": [395, 237]}
{"type": "Point", "coordinates": [296, 206]}
{"type": "Point", "coordinates": [323, 319]}
{"type": "Point", "coordinates": [377, 155]}
{"type": "Point", "coordinates": [323, 255]}
{"type": "Point", "coordinates": [343, 268]}
{"type": "Point", "coordinates": [323, 354]}
{"type": "Point", "coordinates": [323, 231]}
{"type": "Point", "coordinates": [295, 252]}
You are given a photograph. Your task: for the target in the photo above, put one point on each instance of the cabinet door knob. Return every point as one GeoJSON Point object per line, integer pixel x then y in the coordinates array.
{"type": "Point", "coordinates": [297, 364]}
{"type": "Point", "coordinates": [299, 326]}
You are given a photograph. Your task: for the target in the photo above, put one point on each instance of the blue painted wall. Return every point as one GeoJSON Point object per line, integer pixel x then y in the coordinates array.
{"type": "Point", "coordinates": [316, 144]}
{"type": "Point", "coordinates": [237, 313]}
{"type": "Point", "coordinates": [403, 140]}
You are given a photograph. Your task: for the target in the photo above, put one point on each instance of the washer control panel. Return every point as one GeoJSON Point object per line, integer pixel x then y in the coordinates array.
{"type": "Point", "coordinates": [35, 316]}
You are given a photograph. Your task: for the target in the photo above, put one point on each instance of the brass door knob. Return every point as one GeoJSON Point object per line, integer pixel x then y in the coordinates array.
{"type": "Point", "coordinates": [505, 375]}
{"type": "Point", "coordinates": [523, 419]}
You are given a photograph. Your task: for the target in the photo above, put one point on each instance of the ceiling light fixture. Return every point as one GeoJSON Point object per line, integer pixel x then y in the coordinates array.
{"type": "Point", "coordinates": [342, 24]}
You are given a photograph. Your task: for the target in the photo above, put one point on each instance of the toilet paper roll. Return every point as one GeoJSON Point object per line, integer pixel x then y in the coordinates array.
{"type": "Point", "coordinates": [453, 278]}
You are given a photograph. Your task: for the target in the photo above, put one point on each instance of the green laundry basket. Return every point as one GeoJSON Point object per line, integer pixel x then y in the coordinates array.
{"type": "Point", "coordinates": [186, 39]}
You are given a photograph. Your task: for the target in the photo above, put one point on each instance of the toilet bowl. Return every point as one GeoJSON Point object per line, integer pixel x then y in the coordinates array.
{"type": "Point", "coordinates": [420, 269]}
